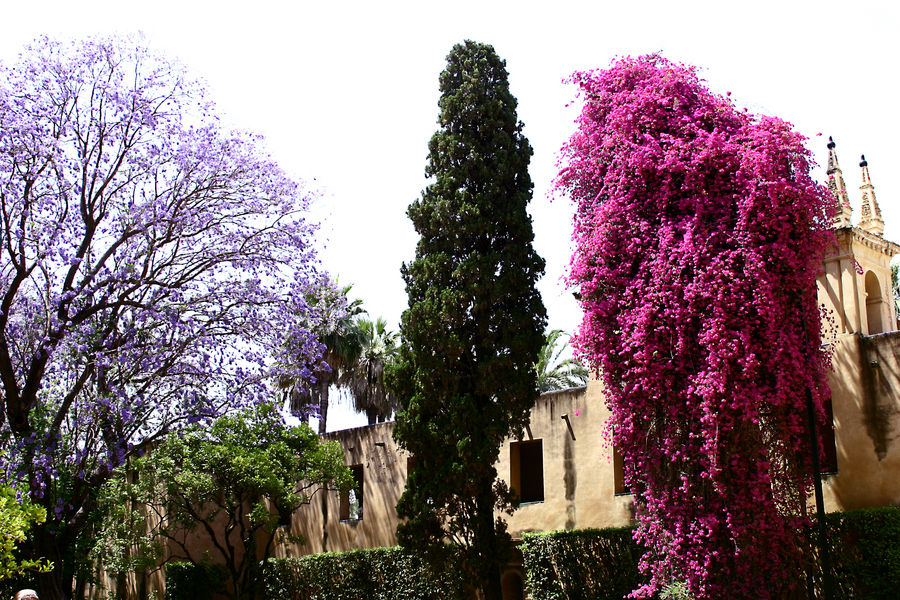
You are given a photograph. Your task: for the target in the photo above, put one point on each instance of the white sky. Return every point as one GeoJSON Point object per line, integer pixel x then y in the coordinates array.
{"type": "Point", "coordinates": [346, 93]}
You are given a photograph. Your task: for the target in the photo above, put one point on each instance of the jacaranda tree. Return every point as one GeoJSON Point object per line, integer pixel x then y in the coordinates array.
{"type": "Point", "coordinates": [151, 265]}
{"type": "Point", "coordinates": [699, 234]}
{"type": "Point", "coordinates": [475, 321]}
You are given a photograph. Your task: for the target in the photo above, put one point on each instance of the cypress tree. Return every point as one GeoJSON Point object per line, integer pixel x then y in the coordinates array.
{"type": "Point", "coordinates": [475, 322]}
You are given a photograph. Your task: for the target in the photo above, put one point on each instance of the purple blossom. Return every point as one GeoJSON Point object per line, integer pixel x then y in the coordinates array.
{"type": "Point", "coordinates": [155, 279]}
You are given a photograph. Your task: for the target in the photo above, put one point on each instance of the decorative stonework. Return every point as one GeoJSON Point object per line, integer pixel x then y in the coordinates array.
{"type": "Point", "coordinates": [843, 211]}
{"type": "Point", "coordinates": [871, 213]}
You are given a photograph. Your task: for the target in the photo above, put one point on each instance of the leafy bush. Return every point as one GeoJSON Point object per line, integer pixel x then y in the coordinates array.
{"type": "Point", "coordinates": [587, 564]}
{"type": "Point", "coordinates": [376, 574]}
{"type": "Point", "coordinates": [601, 564]}
{"type": "Point", "coordinates": [189, 581]}
{"type": "Point", "coordinates": [865, 554]}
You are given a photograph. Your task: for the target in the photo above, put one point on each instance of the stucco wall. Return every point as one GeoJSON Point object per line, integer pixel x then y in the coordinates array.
{"type": "Point", "coordinates": [842, 284]}
{"type": "Point", "coordinates": [384, 477]}
{"type": "Point", "coordinates": [865, 387]}
{"type": "Point", "coordinates": [579, 478]}
{"type": "Point", "coordinates": [579, 473]}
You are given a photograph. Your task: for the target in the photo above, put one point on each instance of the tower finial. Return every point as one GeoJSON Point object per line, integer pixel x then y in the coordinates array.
{"type": "Point", "coordinates": [843, 212]}
{"type": "Point", "coordinates": [870, 212]}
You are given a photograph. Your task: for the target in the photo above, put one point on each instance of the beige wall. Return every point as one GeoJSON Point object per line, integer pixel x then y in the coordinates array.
{"type": "Point", "coordinates": [384, 477]}
{"type": "Point", "coordinates": [842, 284]}
{"type": "Point", "coordinates": [578, 469]}
{"type": "Point", "coordinates": [865, 387]}
{"type": "Point", "coordinates": [579, 478]}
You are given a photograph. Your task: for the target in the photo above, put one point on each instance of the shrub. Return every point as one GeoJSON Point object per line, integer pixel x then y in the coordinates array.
{"type": "Point", "coordinates": [190, 581]}
{"type": "Point", "coordinates": [601, 564]}
{"type": "Point", "coordinates": [587, 564]}
{"type": "Point", "coordinates": [376, 574]}
{"type": "Point", "coordinates": [865, 554]}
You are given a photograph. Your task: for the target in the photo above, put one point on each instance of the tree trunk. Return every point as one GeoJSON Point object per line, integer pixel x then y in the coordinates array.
{"type": "Point", "coordinates": [486, 541]}
{"type": "Point", "coordinates": [372, 415]}
{"type": "Point", "coordinates": [323, 405]}
{"type": "Point", "coordinates": [57, 584]}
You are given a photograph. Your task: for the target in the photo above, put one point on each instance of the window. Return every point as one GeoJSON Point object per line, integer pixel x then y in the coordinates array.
{"type": "Point", "coordinates": [619, 489]}
{"type": "Point", "coordinates": [526, 466]}
{"type": "Point", "coordinates": [352, 499]}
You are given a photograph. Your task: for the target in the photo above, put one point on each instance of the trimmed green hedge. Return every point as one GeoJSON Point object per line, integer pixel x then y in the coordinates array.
{"type": "Point", "coordinates": [586, 564]}
{"type": "Point", "coordinates": [601, 564]}
{"type": "Point", "coordinates": [189, 581]}
{"type": "Point", "coordinates": [865, 554]}
{"type": "Point", "coordinates": [376, 574]}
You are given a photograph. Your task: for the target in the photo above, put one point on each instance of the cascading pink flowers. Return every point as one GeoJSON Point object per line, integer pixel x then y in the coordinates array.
{"type": "Point", "coordinates": [699, 235]}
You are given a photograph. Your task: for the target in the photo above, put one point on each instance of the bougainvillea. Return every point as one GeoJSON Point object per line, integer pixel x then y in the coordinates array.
{"type": "Point", "coordinates": [698, 237]}
{"type": "Point", "coordinates": [152, 267]}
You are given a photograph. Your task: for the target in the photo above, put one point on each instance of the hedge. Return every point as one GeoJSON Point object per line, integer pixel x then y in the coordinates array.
{"type": "Point", "coordinates": [375, 574]}
{"type": "Point", "coordinates": [865, 554]}
{"type": "Point", "coordinates": [585, 564]}
{"type": "Point", "coordinates": [189, 581]}
{"type": "Point", "coordinates": [601, 564]}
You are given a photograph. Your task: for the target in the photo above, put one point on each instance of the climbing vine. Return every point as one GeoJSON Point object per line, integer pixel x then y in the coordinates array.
{"type": "Point", "coordinates": [699, 234]}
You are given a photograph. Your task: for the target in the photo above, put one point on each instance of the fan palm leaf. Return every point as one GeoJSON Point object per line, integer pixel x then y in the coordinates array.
{"type": "Point", "coordinates": [553, 372]}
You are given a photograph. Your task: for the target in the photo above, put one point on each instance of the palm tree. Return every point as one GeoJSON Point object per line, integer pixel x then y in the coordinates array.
{"type": "Point", "coordinates": [553, 373]}
{"type": "Point", "coordinates": [343, 344]}
{"type": "Point", "coordinates": [365, 378]}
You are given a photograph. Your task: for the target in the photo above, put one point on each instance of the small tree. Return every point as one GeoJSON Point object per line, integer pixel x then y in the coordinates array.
{"type": "Point", "coordinates": [699, 235]}
{"type": "Point", "coordinates": [475, 321]}
{"type": "Point", "coordinates": [232, 484]}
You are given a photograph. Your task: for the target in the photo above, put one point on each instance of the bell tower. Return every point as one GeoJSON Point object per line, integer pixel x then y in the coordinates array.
{"type": "Point", "coordinates": [855, 285]}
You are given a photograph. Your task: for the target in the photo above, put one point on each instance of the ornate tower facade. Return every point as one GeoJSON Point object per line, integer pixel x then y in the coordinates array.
{"type": "Point", "coordinates": [855, 286]}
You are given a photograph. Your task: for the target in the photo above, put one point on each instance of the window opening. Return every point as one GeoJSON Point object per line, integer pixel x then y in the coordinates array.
{"type": "Point", "coordinates": [352, 499]}
{"type": "Point", "coordinates": [828, 464]}
{"type": "Point", "coordinates": [619, 489]}
{"type": "Point", "coordinates": [527, 470]}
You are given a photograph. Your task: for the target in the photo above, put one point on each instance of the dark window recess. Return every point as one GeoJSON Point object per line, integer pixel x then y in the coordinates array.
{"type": "Point", "coordinates": [352, 499]}
{"type": "Point", "coordinates": [526, 461]}
{"type": "Point", "coordinates": [619, 474]}
{"type": "Point", "coordinates": [828, 457]}
{"type": "Point", "coordinates": [284, 517]}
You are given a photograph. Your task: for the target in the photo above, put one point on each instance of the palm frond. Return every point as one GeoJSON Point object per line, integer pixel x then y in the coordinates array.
{"type": "Point", "coordinates": [554, 373]}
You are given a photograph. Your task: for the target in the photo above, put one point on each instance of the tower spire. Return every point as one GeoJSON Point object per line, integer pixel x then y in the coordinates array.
{"type": "Point", "coordinates": [870, 219]}
{"type": "Point", "coordinates": [843, 212]}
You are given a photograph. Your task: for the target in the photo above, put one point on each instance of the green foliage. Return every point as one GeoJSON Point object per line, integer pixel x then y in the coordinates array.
{"type": "Point", "coordinates": [119, 536]}
{"type": "Point", "coordinates": [229, 483]}
{"type": "Point", "coordinates": [377, 574]}
{"type": "Point", "coordinates": [865, 553]}
{"type": "Point", "coordinates": [365, 378]}
{"type": "Point", "coordinates": [16, 518]}
{"type": "Point", "coordinates": [343, 343]}
{"type": "Point", "coordinates": [475, 321]}
{"type": "Point", "coordinates": [676, 591]}
{"type": "Point", "coordinates": [587, 564]}
{"type": "Point", "coordinates": [600, 564]}
{"type": "Point", "coordinates": [895, 287]}
{"type": "Point", "coordinates": [553, 373]}
{"type": "Point", "coordinates": [190, 581]}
